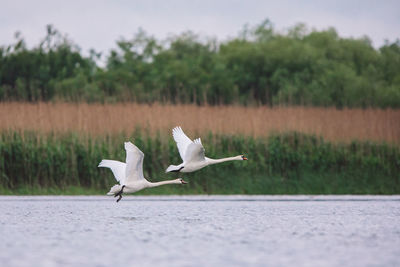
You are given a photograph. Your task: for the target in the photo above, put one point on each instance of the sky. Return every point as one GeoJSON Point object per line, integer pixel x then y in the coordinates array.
{"type": "Point", "coordinates": [99, 24]}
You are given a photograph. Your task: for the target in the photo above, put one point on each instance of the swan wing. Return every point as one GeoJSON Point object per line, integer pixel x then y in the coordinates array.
{"type": "Point", "coordinates": [197, 141]}
{"type": "Point", "coordinates": [134, 163]}
{"type": "Point", "coordinates": [117, 168]}
{"type": "Point", "coordinates": [182, 141]}
{"type": "Point", "coordinates": [195, 152]}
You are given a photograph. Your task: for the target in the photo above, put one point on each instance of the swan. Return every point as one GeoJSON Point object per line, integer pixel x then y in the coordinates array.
{"type": "Point", "coordinates": [192, 154]}
{"type": "Point", "coordinates": [130, 174]}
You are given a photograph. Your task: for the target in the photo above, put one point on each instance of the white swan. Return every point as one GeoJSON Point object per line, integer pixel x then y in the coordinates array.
{"type": "Point", "coordinates": [130, 174]}
{"type": "Point", "coordinates": [192, 154]}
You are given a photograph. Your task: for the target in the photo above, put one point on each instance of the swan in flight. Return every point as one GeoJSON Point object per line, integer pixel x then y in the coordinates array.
{"type": "Point", "coordinates": [192, 154]}
{"type": "Point", "coordinates": [130, 174]}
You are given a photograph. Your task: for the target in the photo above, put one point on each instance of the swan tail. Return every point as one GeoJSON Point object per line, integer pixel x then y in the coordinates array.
{"type": "Point", "coordinates": [115, 189]}
{"type": "Point", "coordinates": [174, 168]}
{"type": "Point", "coordinates": [105, 163]}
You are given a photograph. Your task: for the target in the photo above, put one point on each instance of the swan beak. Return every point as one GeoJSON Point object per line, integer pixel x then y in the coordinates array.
{"type": "Point", "coordinates": [183, 182]}
{"type": "Point", "coordinates": [244, 158]}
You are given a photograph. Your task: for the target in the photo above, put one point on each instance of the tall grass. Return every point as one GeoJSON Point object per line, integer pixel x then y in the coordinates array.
{"type": "Point", "coordinates": [334, 125]}
{"type": "Point", "coordinates": [32, 162]}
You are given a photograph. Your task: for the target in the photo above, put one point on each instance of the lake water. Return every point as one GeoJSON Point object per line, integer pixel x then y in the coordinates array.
{"type": "Point", "coordinates": [200, 231]}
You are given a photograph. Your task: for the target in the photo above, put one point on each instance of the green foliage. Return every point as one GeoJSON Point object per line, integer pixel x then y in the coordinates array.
{"type": "Point", "coordinates": [31, 74]}
{"type": "Point", "coordinates": [283, 164]}
{"type": "Point", "coordinates": [260, 66]}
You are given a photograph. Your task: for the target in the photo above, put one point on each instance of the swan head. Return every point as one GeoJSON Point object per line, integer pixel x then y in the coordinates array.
{"type": "Point", "coordinates": [243, 157]}
{"type": "Point", "coordinates": [181, 181]}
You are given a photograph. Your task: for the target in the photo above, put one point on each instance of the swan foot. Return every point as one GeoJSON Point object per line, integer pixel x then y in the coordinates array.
{"type": "Point", "coordinates": [119, 194]}
{"type": "Point", "coordinates": [178, 170]}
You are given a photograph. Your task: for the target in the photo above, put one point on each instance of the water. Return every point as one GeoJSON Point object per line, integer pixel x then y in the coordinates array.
{"type": "Point", "coordinates": [200, 231]}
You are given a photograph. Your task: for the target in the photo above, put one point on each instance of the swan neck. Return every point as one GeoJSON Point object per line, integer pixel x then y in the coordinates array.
{"type": "Point", "coordinates": [150, 184]}
{"type": "Point", "coordinates": [215, 161]}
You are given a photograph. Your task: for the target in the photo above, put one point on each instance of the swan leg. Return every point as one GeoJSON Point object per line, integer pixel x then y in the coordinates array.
{"type": "Point", "coordinates": [119, 194]}
{"type": "Point", "coordinates": [177, 170]}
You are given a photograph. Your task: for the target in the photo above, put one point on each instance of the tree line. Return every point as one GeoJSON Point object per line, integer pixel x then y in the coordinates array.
{"type": "Point", "coordinates": [260, 66]}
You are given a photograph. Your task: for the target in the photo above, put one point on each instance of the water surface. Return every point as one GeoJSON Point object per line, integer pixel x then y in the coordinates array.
{"type": "Point", "coordinates": [200, 231]}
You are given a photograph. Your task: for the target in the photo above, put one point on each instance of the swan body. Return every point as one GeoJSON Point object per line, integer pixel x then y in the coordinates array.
{"type": "Point", "coordinates": [129, 174]}
{"type": "Point", "coordinates": [192, 154]}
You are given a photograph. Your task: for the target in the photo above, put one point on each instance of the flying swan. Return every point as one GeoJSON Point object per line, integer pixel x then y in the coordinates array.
{"type": "Point", "coordinates": [192, 154]}
{"type": "Point", "coordinates": [130, 174]}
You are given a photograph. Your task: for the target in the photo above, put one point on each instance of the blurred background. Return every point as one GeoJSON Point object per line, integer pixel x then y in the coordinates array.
{"type": "Point", "coordinates": [309, 92]}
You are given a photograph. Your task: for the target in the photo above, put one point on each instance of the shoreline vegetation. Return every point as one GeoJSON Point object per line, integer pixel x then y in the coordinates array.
{"type": "Point", "coordinates": [95, 119]}
{"type": "Point", "coordinates": [314, 112]}
{"type": "Point", "coordinates": [285, 163]}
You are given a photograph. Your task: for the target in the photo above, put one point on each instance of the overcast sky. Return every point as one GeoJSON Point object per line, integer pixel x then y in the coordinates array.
{"type": "Point", "coordinates": [98, 23]}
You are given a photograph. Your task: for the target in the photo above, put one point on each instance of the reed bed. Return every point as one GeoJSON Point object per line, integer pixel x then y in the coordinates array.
{"type": "Point", "coordinates": [335, 125]}
{"type": "Point", "coordinates": [282, 164]}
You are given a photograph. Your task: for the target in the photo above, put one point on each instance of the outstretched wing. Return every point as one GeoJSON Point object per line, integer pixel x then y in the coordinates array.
{"type": "Point", "coordinates": [182, 141]}
{"type": "Point", "coordinates": [197, 141]}
{"type": "Point", "coordinates": [134, 163]}
{"type": "Point", "coordinates": [195, 152]}
{"type": "Point", "coordinates": [117, 168]}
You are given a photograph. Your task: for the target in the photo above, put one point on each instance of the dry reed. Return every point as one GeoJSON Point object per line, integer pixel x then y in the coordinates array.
{"type": "Point", "coordinates": [98, 119]}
